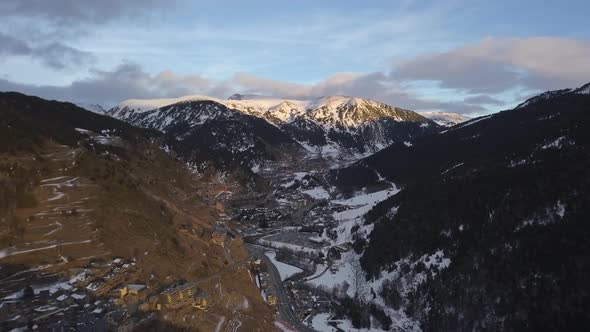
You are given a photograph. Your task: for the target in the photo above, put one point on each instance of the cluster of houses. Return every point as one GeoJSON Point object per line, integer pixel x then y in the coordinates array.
{"type": "Point", "coordinates": [81, 303]}
{"type": "Point", "coordinates": [103, 281]}
{"type": "Point", "coordinates": [263, 216]}
{"type": "Point", "coordinates": [182, 295]}
{"type": "Point", "coordinates": [98, 298]}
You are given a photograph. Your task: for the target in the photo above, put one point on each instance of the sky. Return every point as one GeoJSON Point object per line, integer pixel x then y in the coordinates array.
{"type": "Point", "coordinates": [469, 57]}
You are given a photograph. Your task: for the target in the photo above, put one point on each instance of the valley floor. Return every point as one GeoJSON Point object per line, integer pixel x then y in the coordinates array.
{"type": "Point", "coordinates": [303, 230]}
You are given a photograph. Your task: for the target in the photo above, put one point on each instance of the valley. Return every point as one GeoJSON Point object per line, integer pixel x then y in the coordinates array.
{"type": "Point", "coordinates": [197, 216]}
{"type": "Point", "coordinates": [303, 231]}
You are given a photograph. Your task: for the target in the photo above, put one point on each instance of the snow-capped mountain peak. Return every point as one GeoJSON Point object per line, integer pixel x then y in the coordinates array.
{"type": "Point", "coordinates": [336, 123]}
{"type": "Point", "coordinates": [354, 112]}
{"type": "Point", "coordinates": [150, 104]}
{"type": "Point", "coordinates": [445, 119]}
{"type": "Point", "coordinates": [284, 112]}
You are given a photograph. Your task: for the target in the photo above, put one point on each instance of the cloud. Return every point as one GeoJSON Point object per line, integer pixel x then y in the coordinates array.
{"type": "Point", "coordinates": [124, 82]}
{"type": "Point", "coordinates": [495, 65]}
{"type": "Point", "coordinates": [132, 81]}
{"type": "Point", "coordinates": [483, 99]}
{"type": "Point", "coordinates": [55, 55]}
{"type": "Point", "coordinates": [66, 12]}
{"type": "Point", "coordinates": [248, 83]}
{"type": "Point", "coordinates": [472, 79]}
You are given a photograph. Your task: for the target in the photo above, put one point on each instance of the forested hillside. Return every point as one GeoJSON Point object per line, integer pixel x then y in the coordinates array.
{"type": "Point", "coordinates": [505, 198]}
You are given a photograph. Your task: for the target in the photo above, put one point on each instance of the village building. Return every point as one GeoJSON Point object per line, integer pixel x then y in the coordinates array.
{"type": "Point", "coordinates": [271, 298]}
{"type": "Point", "coordinates": [183, 295]}
{"type": "Point", "coordinates": [218, 236]}
{"type": "Point", "coordinates": [201, 300]}
{"type": "Point", "coordinates": [132, 293]}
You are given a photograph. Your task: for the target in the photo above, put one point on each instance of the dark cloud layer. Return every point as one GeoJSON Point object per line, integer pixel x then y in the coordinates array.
{"type": "Point", "coordinates": [110, 87]}
{"type": "Point", "coordinates": [54, 55]}
{"type": "Point", "coordinates": [78, 11]}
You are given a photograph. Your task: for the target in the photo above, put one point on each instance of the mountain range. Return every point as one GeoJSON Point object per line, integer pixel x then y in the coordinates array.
{"type": "Point", "coordinates": [332, 125]}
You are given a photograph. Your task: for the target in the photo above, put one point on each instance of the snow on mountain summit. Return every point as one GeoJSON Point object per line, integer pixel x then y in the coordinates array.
{"type": "Point", "coordinates": [333, 123]}
{"type": "Point", "coordinates": [346, 111]}
{"type": "Point", "coordinates": [445, 119]}
{"type": "Point", "coordinates": [354, 112]}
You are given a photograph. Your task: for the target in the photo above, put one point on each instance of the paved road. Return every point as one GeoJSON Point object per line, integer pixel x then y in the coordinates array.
{"type": "Point", "coordinates": [284, 302]}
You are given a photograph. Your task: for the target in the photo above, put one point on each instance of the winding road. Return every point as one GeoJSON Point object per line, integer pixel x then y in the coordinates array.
{"type": "Point", "coordinates": [284, 302]}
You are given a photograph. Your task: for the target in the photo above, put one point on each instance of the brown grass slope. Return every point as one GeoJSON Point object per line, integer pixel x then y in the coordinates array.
{"type": "Point", "coordinates": [108, 191]}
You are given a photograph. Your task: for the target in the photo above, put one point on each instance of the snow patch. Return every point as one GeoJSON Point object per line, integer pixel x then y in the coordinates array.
{"type": "Point", "coordinates": [285, 270]}
{"type": "Point", "coordinates": [317, 193]}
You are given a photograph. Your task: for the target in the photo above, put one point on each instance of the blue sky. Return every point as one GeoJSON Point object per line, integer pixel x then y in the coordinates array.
{"type": "Point", "coordinates": [471, 57]}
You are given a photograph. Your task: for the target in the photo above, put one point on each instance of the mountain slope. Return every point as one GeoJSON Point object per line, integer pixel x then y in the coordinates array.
{"type": "Point", "coordinates": [95, 108]}
{"type": "Point", "coordinates": [504, 200]}
{"type": "Point", "coordinates": [212, 131]}
{"type": "Point", "coordinates": [81, 191]}
{"type": "Point", "coordinates": [333, 125]}
{"type": "Point", "coordinates": [354, 125]}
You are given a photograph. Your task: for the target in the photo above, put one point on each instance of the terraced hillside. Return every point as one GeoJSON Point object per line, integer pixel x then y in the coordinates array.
{"type": "Point", "coordinates": [82, 193]}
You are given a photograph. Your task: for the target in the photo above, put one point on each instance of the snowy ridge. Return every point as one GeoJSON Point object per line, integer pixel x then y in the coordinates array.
{"type": "Point", "coordinates": [94, 108]}
{"type": "Point", "coordinates": [444, 118]}
{"type": "Point", "coordinates": [543, 96]}
{"type": "Point", "coordinates": [130, 107]}
{"type": "Point", "coordinates": [584, 90]}
{"type": "Point", "coordinates": [214, 132]}
{"type": "Point", "coordinates": [328, 125]}
{"type": "Point", "coordinates": [342, 110]}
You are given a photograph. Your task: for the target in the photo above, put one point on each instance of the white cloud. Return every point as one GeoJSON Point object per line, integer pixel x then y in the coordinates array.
{"type": "Point", "coordinates": [126, 81]}
{"type": "Point", "coordinates": [495, 65]}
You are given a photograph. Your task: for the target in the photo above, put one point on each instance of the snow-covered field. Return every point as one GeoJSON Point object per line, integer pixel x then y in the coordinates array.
{"type": "Point", "coordinates": [347, 273]}
{"type": "Point", "coordinates": [285, 270]}
{"type": "Point", "coordinates": [362, 203]}
{"type": "Point", "coordinates": [317, 193]}
{"type": "Point", "coordinates": [346, 278]}
{"type": "Point", "coordinates": [359, 206]}
{"type": "Point", "coordinates": [368, 198]}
